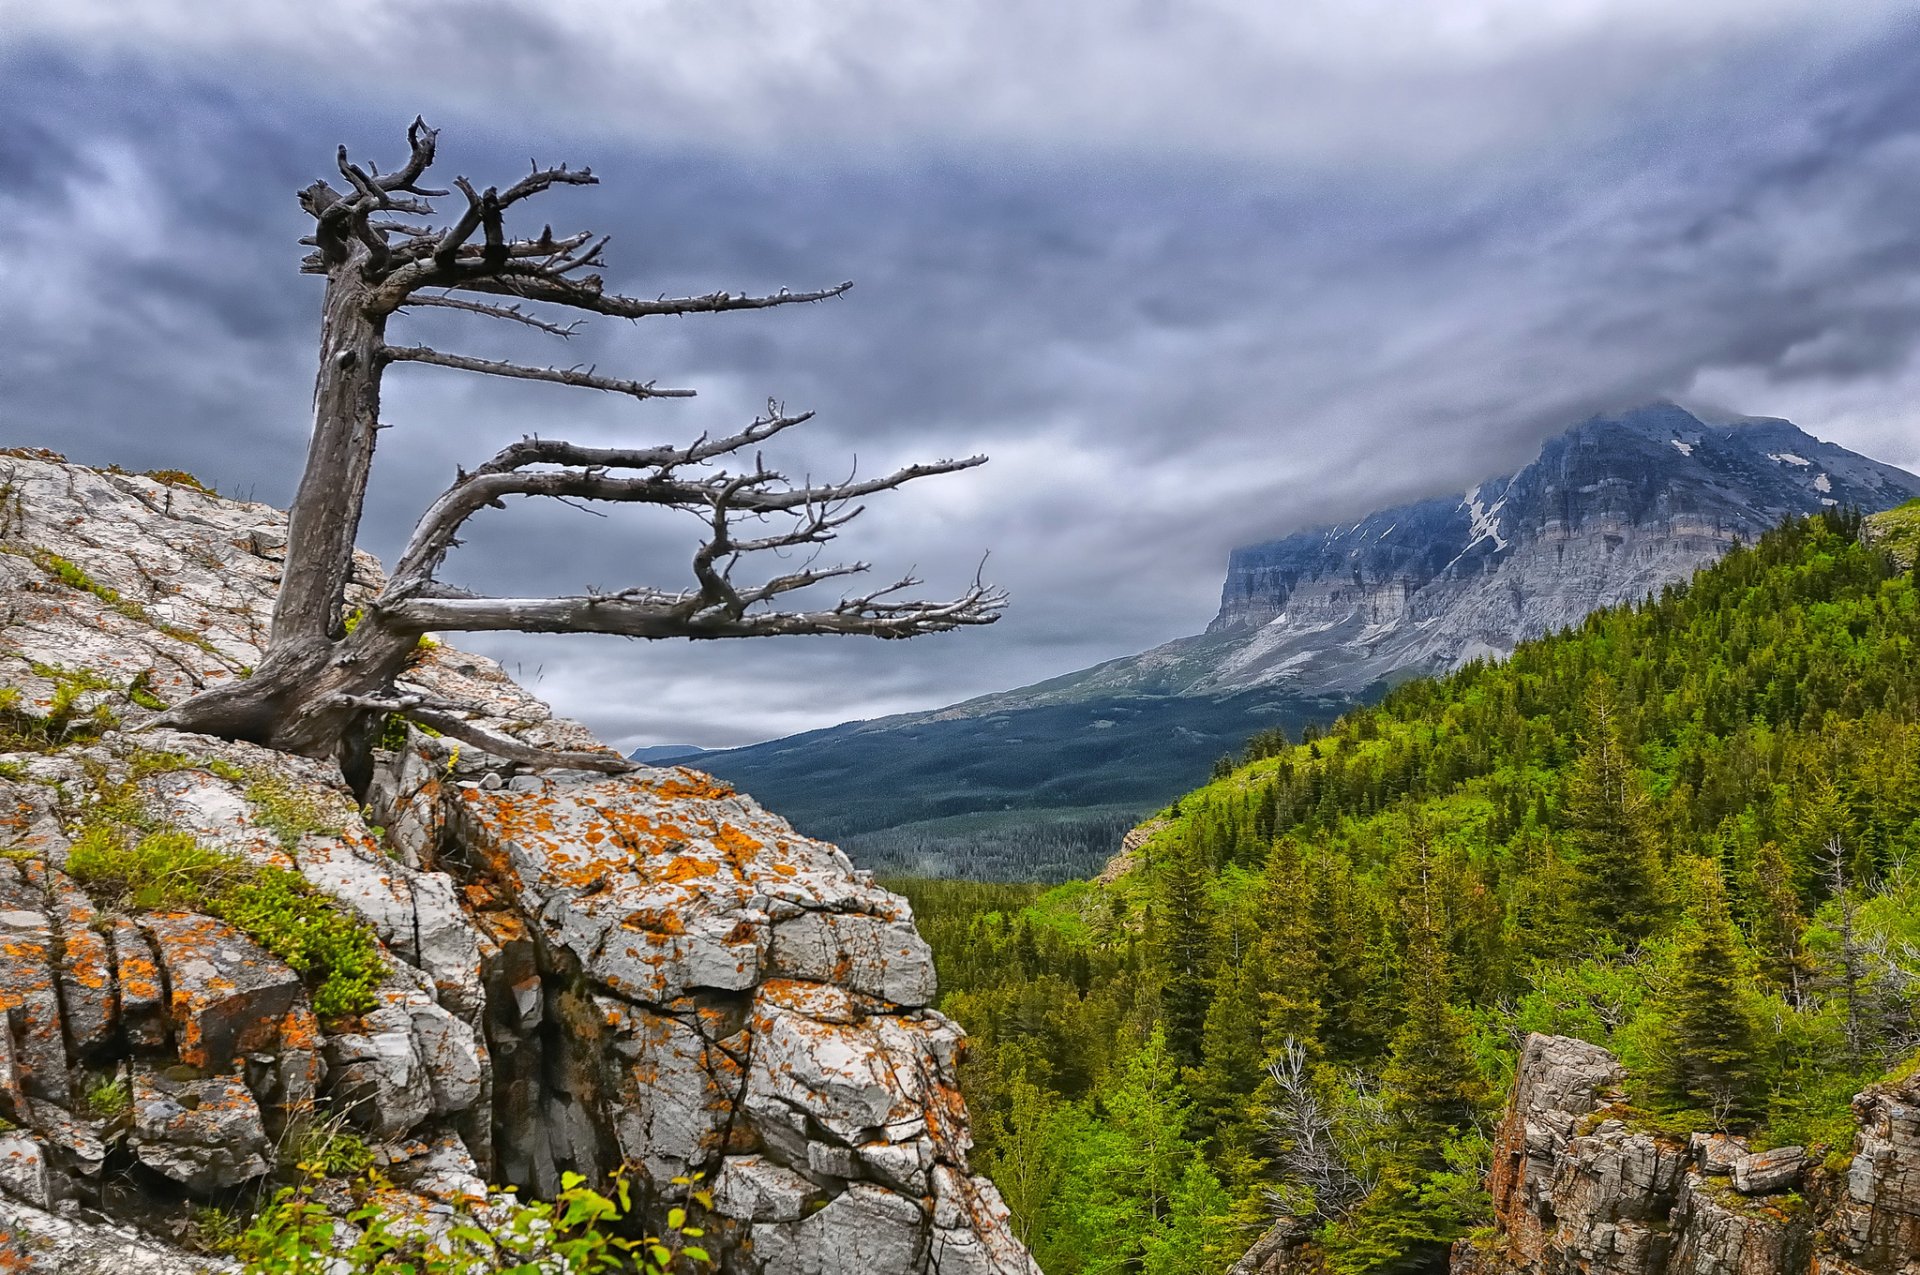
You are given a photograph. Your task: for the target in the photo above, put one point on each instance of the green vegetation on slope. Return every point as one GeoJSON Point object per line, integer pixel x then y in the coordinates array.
{"type": "Point", "coordinates": [1685, 830]}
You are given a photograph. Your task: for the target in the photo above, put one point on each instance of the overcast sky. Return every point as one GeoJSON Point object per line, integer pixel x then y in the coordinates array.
{"type": "Point", "coordinates": [1193, 274]}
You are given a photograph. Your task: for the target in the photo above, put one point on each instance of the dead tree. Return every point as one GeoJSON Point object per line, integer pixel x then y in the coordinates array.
{"type": "Point", "coordinates": [320, 688]}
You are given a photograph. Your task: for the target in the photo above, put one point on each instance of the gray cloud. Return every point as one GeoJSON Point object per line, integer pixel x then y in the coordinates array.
{"type": "Point", "coordinates": [1267, 281]}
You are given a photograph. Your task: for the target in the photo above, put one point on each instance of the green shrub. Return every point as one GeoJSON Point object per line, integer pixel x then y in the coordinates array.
{"type": "Point", "coordinates": [170, 871]}
{"type": "Point", "coordinates": [576, 1234]}
{"type": "Point", "coordinates": [326, 1150]}
{"type": "Point", "coordinates": [109, 1097]}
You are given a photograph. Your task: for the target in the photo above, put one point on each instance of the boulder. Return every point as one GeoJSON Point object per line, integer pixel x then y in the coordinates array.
{"type": "Point", "coordinates": [1715, 1154]}
{"type": "Point", "coordinates": [143, 1009]}
{"type": "Point", "coordinates": [752, 1188]}
{"type": "Point", "coordinates": [1769, 1171]}
{"type": "Point", "coordinates": [24, 1171]}
{"type": "Point", "coordinates": [877, 956]}
{"type": "Point", "coordinates": [86, 969]}
{"type": "Point", "coordinates": [227, 995]}
{"type": "Point", "coordinates": [408, 1059]}
{"type": "Point", "coordinates": [205, 1134]}
{"type": "Point", "coordinates": [30, 996]}
{"type": "Point", "coordinates": [863, 1229]}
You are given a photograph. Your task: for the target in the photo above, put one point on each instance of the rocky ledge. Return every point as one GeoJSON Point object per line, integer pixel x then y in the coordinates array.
{"type": "Point", "coordinates": [575, 973]}
{"type": "Point", "coordinates": [1577, 1186]}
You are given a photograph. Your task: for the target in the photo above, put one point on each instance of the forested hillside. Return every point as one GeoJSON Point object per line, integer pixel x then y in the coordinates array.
{"type": "Point", "coordinates": [1685, 830]}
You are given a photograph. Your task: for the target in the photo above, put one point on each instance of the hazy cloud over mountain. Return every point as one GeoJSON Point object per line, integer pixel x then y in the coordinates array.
{"type": "Point", "coordinates": [1193, 274]}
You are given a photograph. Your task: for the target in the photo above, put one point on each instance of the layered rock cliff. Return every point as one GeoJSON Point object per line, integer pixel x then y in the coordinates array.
{"type": "Point", "coordinates": [1614, 509]}
{"type": "Point", "coordinates": [1578, 1187]}
{"type": "Point", "coordinates": [576, 973]}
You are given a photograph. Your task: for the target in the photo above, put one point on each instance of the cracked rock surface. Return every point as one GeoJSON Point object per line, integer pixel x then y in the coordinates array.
{"type": "Point", "coordinates": [1577, 1188]}
{"type": "Point", "coordinates": [582, 973]}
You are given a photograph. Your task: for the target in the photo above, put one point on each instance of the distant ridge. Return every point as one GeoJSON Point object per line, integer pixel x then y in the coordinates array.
{"type": "Point", "coordinates": [1616, 507]}
{"type": "Point", "coordinates": [665, 752]}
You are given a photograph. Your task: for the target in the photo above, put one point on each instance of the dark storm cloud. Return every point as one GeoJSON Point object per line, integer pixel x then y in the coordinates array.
{"type": "Point", "coordinates": [1241, 297]}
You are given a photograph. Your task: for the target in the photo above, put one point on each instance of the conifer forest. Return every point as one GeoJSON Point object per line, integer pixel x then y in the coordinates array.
{"type": "Point", "coordinates": [1685, 830]}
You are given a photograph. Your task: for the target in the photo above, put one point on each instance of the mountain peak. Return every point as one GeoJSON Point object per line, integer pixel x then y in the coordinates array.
{"type": "Point", "coordinates": [1619, 504]}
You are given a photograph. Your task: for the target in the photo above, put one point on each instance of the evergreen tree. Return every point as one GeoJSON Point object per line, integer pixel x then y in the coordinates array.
{"type": "Point", "coordinates": [1150, 1110]}
{"type": "Point", "coordinates": [1198, 1236]}
{"type": "Point", "coordinates": [1231, 1054]}
{"type": "Point", "coordinates": [1186, 932]}
{"type": "Point", "coordinates": [1709, 1046]}
{"type": "Point", "coordinates": [1432, 1084]}
{"type": "Point", "coordinates": [1617, 889]}
{"type": "Point", "coordinates": [1287, 962]}
{"type": "Point", "coordinates": [1026, 1157]}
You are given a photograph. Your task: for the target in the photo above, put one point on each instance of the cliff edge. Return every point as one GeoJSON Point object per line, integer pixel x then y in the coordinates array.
{"type": "Point", "coordinates": [1577, 1186]}
{"type": "Point", "coordinates": [564, 973]}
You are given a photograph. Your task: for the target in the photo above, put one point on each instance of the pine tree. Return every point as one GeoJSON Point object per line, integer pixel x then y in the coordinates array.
{"type": "Point", "coordinates": [1617, 884]}
{"type": "Point", "coordinates": [1149, 1108]}
{"type": "Point", "coordinates": [1432, 1084]}
{"type": "Point", "coordinates": [1025, 1160]}
{"type": "Point", "coordinates": [1186, 945]}
{"type": "Point", "coordinates": [1709, 1046]}
{"type": "Point", "coordinates": [1231, 1053]}
{"type": "Point", "coordinates": [1197, 1237]}
{"type": "Point", "coordinates": [1778, 921]}
{"type": "Point", "coordinates": [1288, 960]}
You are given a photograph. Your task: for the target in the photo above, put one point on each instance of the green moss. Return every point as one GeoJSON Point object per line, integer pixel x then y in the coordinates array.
{"type": "Point", "coordinates": [276, 908]}
{"type": "Point", "coordinates": [140, 692]}
{"type": "Point", "coordinates": [178, 478]}
{"type": "Point", "coordinates": [287, 813]}
{"type": "Point", "coordinates": [65, 721]}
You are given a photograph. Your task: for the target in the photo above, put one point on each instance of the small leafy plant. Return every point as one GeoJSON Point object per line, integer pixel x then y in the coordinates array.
{"type": "Point", "coordinates": [578, 1233]}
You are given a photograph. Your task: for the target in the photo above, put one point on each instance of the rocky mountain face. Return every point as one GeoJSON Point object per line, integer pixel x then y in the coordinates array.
{"type": "Point", "coordinates": [1579, 1189]}
{"type": "Point", "coordinates": [1613, 509]}
{"type": "Point", "coordinates": [576, 972]}
{"type": "Point", "coordinates": [1616, 508]}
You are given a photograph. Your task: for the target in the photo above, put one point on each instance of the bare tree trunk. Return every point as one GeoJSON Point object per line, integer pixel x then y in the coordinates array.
{"type": "Point", "coordinates": [282, 704]}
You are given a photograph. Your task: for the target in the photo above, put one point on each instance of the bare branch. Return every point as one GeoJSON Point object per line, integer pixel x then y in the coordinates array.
{"type": "Point", "coordinates": [434, 537]}
{"type": "Point", "coordinates": [443, 716]}
{"type": "Point", "coordinates": [542, 284]}
{"type": "Point", "coordinates": [553, 451]}
{"type": "Point", "coordinates": [555, 375]}
{"type": "Point", "coordinates": [510, 312]}
{"type": "Point", "coordinates": [650, 618]}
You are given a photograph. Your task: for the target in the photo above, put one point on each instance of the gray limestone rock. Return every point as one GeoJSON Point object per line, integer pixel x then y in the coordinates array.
{"type": "Point", "coordinates": [753, 1188]}
{"type": "Point", "coordinates": [228, 996]}
{"type": "Point", "coordinates": [204, 1134]}
{"type": "Point", "coordinates": [863, 1229]}
{"type": "Point", "coordinates": [1769, 1171]}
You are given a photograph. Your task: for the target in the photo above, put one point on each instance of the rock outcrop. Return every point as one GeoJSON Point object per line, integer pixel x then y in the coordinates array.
{"type": "Point", "coordinates": [579, 973]}
{"type": "Point", "coordinates": [1577, 1187]}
